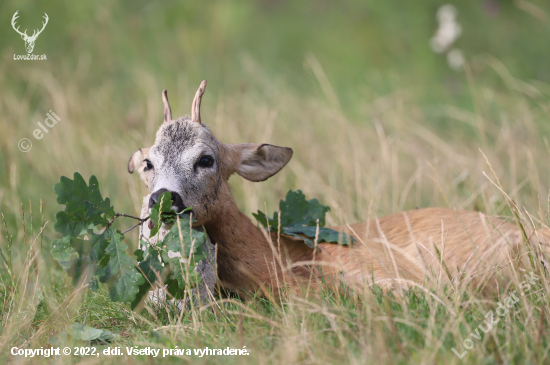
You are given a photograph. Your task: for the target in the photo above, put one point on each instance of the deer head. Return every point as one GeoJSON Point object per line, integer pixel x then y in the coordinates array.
{"type": "Point", "coordinates": [188, 161]}
{"type": "Point", "coordinates": [29, 41]}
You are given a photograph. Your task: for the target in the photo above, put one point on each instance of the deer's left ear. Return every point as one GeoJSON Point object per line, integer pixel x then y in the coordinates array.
{"type": "Point", "coordinates": [136, 163]}
{"type": "Point", "coordinates": [257, 162]}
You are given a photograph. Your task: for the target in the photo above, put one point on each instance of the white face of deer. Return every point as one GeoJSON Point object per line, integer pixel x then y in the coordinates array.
{"type": "Point", "coordinates": [188, 161]}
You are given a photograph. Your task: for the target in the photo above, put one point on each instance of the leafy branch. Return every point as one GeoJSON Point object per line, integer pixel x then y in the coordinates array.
{"type": "Point", "coordinates": [90, 247]}
{"type": "Point", "coordinates": [300, 217]}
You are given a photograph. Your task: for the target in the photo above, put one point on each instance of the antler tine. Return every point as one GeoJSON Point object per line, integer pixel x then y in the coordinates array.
{"type": "Point", "coordinates": [43, 24]}
{"type": "Point", "coordinates": [196, 107]}
{"type": "Point", "coordinates": [167, 110]}
{"type": "Point", "coordinates": [13, 19]}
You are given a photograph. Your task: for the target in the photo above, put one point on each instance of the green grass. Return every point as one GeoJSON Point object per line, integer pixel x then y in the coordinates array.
{"type": "Point", "coordinates": [378, 124]}
{"type": "Point", "coordinates": [328, 327]}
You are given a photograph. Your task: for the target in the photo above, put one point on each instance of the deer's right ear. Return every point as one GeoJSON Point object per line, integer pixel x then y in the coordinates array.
{"type": "Point", "coordinates": [136, 163]}
{"type": "Point", "coordinates": [257, 162]}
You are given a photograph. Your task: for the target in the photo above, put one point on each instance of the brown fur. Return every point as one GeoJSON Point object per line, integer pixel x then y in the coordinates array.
{"type": "Point", "coordinates": [394, 250]}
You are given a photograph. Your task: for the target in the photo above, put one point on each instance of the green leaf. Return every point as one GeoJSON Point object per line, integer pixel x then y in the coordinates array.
{"type": "Point", "coordinates": [325, 234]}
{"type": "Point", "coordinates": [174, 249]}
{"type": "Point", "coordinates": [187, 247]}
{"type": "Point", "coordinates": [296, 209]}
{"type": "Point", "coordinates": [139, 254]}
{"type": "Point", "coordinates": [77, 267]}
{"type": "Point", "coordinates": [97, 245]}
{"type": "Point", "coordinates": [150, 265]}
{"type": "Point", "coordinates": [190, 246]}
{"type": "Point", "coordinates": [107, 336]}
{"type": "Point", "coordinates": [84, 205]}
{"type": "Point", "coordinates": [78, 256]}
{"type": "Point", "coordinates": [62, 249]}
{"type": "Point", "coordinates": [162, 212]}
{"type": "Point", "coordinates": [124, 278]}
{"type": "Point", "coordinates": [87, 333]}
{"type": "Point", "coordinates": [299, 216]}
{"type": "Point", "coordinates": [263, 219]}
{"type": "Point", "coordinates": [79, 331]}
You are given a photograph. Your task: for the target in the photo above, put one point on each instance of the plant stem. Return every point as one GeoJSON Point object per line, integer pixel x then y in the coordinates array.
{"type": "Point", "coordinates": [141, 220]}
{"type": "Point", "coordinates": [138, 224]}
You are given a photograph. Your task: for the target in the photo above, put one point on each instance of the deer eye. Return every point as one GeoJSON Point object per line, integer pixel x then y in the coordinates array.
{"type": "Point", "coordinates": [206, 161]}
{"type": "Point", "coordinates": [149, 165]}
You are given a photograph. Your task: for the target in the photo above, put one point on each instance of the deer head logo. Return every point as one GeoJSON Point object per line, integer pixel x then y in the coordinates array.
{"type": "Point", "coordinates": [29, 41]}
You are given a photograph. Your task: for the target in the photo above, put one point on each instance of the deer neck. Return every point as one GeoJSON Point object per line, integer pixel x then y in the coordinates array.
{"type": "Point", "coordinates": [232, 228]}
{"type": "Point", "coordinates": [243, 252]}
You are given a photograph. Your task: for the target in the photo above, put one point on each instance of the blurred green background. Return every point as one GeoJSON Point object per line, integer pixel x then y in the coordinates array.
{"type": "Point", "coordinates": [379, 45]}
{"type": "Point", "coordinates": [107, 63]}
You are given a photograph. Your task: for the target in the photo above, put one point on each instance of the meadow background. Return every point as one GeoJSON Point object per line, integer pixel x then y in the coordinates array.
{"type": "Point", "coordinates": [378, 122]}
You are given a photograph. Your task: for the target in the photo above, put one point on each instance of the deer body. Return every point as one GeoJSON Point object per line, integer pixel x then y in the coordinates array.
{"type": "Point", "coordinates": [401, 249]}
{"type": "Point", "coordinates": [397, 249]}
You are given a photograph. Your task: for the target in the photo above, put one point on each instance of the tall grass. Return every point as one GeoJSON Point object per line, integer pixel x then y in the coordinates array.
{"type": "Point", "coordinates": [387, 162]}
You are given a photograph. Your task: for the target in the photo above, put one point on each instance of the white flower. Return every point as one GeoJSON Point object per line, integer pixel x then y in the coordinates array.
{"type": "Point", "coordinates": [455, 59]}
{"type": "Point", "coordinates": [449, 30]}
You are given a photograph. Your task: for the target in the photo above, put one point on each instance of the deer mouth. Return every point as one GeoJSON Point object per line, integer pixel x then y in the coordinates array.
{"type": "Point", "coordinates": [177, 209]}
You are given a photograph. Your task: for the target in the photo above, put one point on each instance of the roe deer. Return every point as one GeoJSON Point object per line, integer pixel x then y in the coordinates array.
{"type": "Point", "coordinates": [401, 249]}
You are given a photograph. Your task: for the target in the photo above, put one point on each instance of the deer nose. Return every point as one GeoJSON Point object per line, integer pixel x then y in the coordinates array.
{"type": "Point", "coordinates": [177, 201]}
{"type": "Point", "coordinates": [154, 199]}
